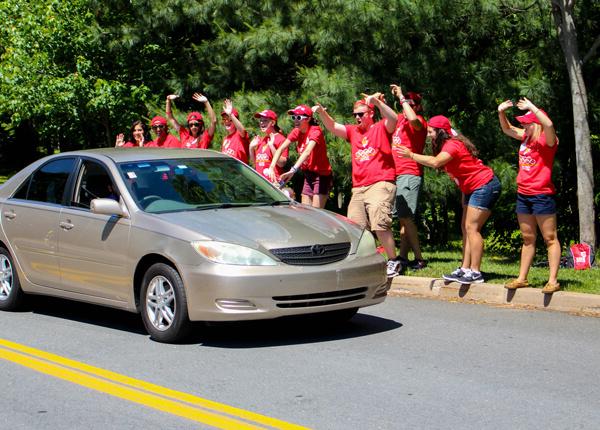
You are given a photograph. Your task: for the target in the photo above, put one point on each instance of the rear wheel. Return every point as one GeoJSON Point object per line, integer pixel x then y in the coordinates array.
{"type": "Point", "coordinates": [11, 294]}
{"type": "Point", "coordinates": [164, 304]}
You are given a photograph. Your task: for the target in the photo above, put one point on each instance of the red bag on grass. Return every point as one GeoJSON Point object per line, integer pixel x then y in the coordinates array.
{"type": "Point", "coordinates": [583, 256]}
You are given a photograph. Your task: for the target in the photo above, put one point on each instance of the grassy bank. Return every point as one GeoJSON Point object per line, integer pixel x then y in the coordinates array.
{"type": "Point", "coordinates": [498, 270]}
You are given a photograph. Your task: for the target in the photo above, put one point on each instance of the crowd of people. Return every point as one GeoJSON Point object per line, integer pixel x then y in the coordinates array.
{"type": "Point", "coordinates": [387, 169]}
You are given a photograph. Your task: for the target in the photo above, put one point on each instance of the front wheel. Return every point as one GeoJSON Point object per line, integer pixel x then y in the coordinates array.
{"type": "Point", "coordinates": [11, 294]}
{"type": "Point", "coordinates": [164, 304]}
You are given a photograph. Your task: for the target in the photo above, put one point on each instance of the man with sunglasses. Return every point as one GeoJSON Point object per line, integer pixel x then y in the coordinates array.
{"type": "Point", "coordinates": [411, 131]}
{"type": "Point", "coordinates": [194, 136]}
{"type": "Point", "coordinates": [163, 138]}
{"type": "Point", "coordinates": [373, 170]}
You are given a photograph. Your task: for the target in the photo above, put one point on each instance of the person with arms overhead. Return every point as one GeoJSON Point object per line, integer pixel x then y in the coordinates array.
{"type": "Point", "coordinates": [193, 136]}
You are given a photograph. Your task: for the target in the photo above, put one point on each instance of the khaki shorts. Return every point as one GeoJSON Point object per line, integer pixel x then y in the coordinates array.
{"type": "Point", "coordinates": [408, 188]}
{"type": "Point", "coordinates": [371, 206]}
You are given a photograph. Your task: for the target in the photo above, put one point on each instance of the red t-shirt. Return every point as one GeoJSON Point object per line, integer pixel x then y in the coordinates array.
{"type": "Point", "coordinates": [264, 155]}
{"type": "Point", "coordinates": [236, 146]}
{"type": "Point", "coordinates": [189, 141]}
{"type": "Point", "coordinates": [467, 171]}
{"type": "Point", "coordinates": [317, 161]}
{"type": "Point", "coordinates": [169, 142]}
{"type": "Point", "coordinates": [406, 135]}
{"type": "Point", "coordinates": [535, 167]}
{"type": "Point", "coordinates": [372, 159]}
{"type": "Point", "coordinates": [130, 145]}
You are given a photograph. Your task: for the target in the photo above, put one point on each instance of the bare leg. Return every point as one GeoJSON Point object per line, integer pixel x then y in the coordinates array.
{"type": "Point", "coordinates": [306, 200]}
{"type": "Point", "coordinates": [547, 224]}
{"type": "Point", "coordinates": [387, 240]}
{"type": "Point", "coordinates": [410, 238]}
{"type": "Point", "coordinates": [474, 221]}
{"type": "Point", "coordinates": [527, 224]}
{"type": "Point", "coordinates": [466, 257]}
{"type": "Point", "coordinates": [319, 200]}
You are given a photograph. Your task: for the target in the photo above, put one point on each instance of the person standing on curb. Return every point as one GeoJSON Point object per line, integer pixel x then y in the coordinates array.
{"type": "Point", "coordinates": [163, 138]}
{"type": "Point", "coordinates": [312, 158]}
{"type": "Point", "coordinates": [536, 206]}
{"type": "Point", "coordinates": [237, 142]}
{"type": "Point", "coordinates": [411, 131]}
{"type": "Point", "coordinates": [194, 135]}
{"type": "Point", "coordinates": [480, 188]}
{"type": "Point", "coordinates": [373, 169]}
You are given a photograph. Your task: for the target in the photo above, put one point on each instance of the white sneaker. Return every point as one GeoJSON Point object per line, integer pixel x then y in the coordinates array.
{"type": "Point", "coordinates": [393, 268]}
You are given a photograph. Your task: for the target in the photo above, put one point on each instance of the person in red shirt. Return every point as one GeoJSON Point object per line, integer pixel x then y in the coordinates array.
{"type": "Point", "coordinates": [312, 157]}
{"type": "Point", "coordinates": [479, 186]}
{"type": "Point", "coordinates": [163, 138]}
{"type": "Point", "coordinates": [536, 206]}
{"type": "Point", "coordinates": [411, 131]}
{"type": "Point", "coordinates": [193, 136]}
{"type": "Point", "coordinates": [373, 170]}
{"type": "Point", "coordinates": [139, 136]}
{"type": "Point", "coordinates": [263, 147]}
{"type": "Point", "coordinates": [236, 143]}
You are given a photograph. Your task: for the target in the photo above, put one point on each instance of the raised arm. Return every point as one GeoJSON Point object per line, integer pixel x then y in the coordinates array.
{"type": "Point", "coordinates": [547, 125]}
{"type": "Point", "coordinates": [212, 117]}
{"type": "Point", "coordinates": [407, 109]}
{"type": "Point", "coordinates": [228, 109]}
{"type": "Point", "coordinates": [169, 111]}
{"type": "Point", "coordinates": [507, 128]}
{"type": "Point", "coordinates": [387, 113]}
{"type": "Point", "coordinates": [335, 128]}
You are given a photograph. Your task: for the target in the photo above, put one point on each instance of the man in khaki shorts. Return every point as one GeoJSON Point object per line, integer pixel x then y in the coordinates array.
{"type": "Point", "coordinates": [373, 170]}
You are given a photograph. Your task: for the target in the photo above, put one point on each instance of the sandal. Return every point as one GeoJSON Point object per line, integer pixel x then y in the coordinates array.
{"type": "Point", "coordinates": [515, 283]}
{"type": "Point", "coordinates": [550, 288]}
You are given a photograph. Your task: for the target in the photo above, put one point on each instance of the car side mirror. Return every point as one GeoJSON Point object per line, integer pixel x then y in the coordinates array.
{"type": "Point", "coordinates": [108, 207]}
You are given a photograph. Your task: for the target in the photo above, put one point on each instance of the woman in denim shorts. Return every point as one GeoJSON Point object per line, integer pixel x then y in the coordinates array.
{"type": "Point", "coordinates": [535, 199]}
{"type": "Point", "coordinates": [457, 155]}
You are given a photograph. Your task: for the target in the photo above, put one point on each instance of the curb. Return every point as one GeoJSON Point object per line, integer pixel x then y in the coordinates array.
{"type": "Point", "coordinates": [563, 301]}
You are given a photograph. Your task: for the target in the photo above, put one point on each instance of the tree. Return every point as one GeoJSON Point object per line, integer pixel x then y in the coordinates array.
{"type": "Point", "coordinates": [562, 11]}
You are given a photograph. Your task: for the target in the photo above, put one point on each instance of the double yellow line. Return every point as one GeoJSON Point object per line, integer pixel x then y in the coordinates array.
{"type": "Point", "coordinates": [185, 405]}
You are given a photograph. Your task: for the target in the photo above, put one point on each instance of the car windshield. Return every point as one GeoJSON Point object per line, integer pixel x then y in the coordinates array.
{"type": "Point", "coordinates": [185, 184]}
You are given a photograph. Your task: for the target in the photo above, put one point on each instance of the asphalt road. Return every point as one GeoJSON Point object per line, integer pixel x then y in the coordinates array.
{"type": "Point", "coordinates": [406, 364]}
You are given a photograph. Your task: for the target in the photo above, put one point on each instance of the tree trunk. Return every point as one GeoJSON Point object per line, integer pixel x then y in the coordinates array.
{"type": "Point", "coordinates": [562, 11]}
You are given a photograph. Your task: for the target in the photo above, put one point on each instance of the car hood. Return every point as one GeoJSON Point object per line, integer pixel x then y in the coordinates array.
{"type": "Point", "coordinates": [270, 227]}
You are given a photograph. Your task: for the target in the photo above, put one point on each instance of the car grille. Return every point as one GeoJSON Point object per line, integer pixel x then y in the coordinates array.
{"type": "Point", "coordinates": [312, 255]}
{"type": "Point", "coordinates": [320, 299]}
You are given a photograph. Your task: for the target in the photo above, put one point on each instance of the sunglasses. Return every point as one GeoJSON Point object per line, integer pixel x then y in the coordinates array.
{"type": "Point", "coordinates": [194, 124]}
{"type": "Point", "coordinates": [358, 114]}
{"type": "Point", "coordinates": [264, 119]}
{"type": "Point", "coordinates": [158, 127]}
{"type": "Point", "coordinates": [299, 117]}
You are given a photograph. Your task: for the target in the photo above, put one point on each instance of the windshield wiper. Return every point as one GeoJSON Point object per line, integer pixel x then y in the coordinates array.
{"type": "Point", "coordinates": [273, 203]}
{"type": "Point", "coordinates": [222, 205]}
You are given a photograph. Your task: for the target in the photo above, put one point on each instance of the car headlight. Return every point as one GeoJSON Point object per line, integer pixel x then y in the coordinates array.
{"type": "Point", "coordinates": [366, 245]}
{"type": "Point", "coordinates": [228, 253]}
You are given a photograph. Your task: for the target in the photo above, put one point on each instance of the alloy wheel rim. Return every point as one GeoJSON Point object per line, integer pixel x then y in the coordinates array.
{"type": "Point", "coordinates": [160, 303]}
{"type": "Point", "coordinates": [6, 277]}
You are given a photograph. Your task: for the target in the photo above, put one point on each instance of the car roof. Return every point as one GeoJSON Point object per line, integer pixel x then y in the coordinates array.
{"type": "Point", "coordinates": [119, 155]}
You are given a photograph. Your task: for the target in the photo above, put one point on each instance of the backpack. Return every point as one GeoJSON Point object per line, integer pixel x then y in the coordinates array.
{"type": "Point", "coordinates": [583, 256]}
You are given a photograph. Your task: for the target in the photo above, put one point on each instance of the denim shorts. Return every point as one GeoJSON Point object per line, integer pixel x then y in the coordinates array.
{"type": "Point", "coordinates": [485, 196]}
{"type": "Point", "coordinates": [541, 204]}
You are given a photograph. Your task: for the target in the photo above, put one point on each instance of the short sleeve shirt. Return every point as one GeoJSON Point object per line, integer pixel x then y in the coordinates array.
{"type": "Point", "coordinates": [189, 141]}
{"type": "Point", "coordinates": [535, 166]}
{"type": "Point", "coordinates": [169, 142]}
{"type": "Point", "coordinates": [406, 135]}
{"type": "Point", "coordinates": [264, 155]}
{"type": "Point", "coordinates": [317, 161]}
{"type": "Point", "coordinates": [236, 146]}
{"type": "Point", "coordinates": [467, 171]}
{"type": "Point", "coordinates": [372, 159]}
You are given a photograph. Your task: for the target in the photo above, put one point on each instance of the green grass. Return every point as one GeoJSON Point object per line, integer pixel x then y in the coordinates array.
{"type": "Point", "coordinates": [498, 270]}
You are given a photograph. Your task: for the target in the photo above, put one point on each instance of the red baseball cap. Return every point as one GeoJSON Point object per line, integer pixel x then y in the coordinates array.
{"type": "Point", "coordinates": [414, 97]}
{"type": "Point", "coordinates": [529, 118]}
{"type": "Point", "coordinates": [194, 116]}
{"type": "Point", "coordinates": [301, 110]}
{"type": "Point", "coordinates": [234, 112]}
{"type": "Point", "coordinates": [440, 121]}
{"type": "Point", "coordinates": [158, 120]}
{"type": "Point", "coordinates": [267, 113]}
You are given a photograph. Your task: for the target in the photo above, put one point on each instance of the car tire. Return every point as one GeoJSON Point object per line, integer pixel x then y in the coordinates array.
{"type": "Point", "coordinates": [11, 294]}
{"type": "Point", "coordinates": [164, 304]}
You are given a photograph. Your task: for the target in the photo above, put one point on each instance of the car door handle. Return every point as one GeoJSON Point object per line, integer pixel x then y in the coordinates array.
{"type": "Point", "coordinates": [10, 215]}
{"type": "Point", "coordinates": [65, 225]}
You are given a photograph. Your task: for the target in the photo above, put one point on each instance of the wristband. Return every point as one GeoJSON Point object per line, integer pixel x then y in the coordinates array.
{"type": "Point", "coordinates": [402, 100]}
{"type": "Point", "coordinates": [294, 169]}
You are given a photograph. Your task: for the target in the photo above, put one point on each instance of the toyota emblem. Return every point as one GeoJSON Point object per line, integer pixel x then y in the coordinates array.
{"type": "Point", "coordinates": [317, 250]}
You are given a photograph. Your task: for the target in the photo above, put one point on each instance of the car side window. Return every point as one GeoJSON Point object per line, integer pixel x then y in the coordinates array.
{"type": "Point", "coordinates": [47, 184]}
{"type": "Point", "coordinates": [94, 182]}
